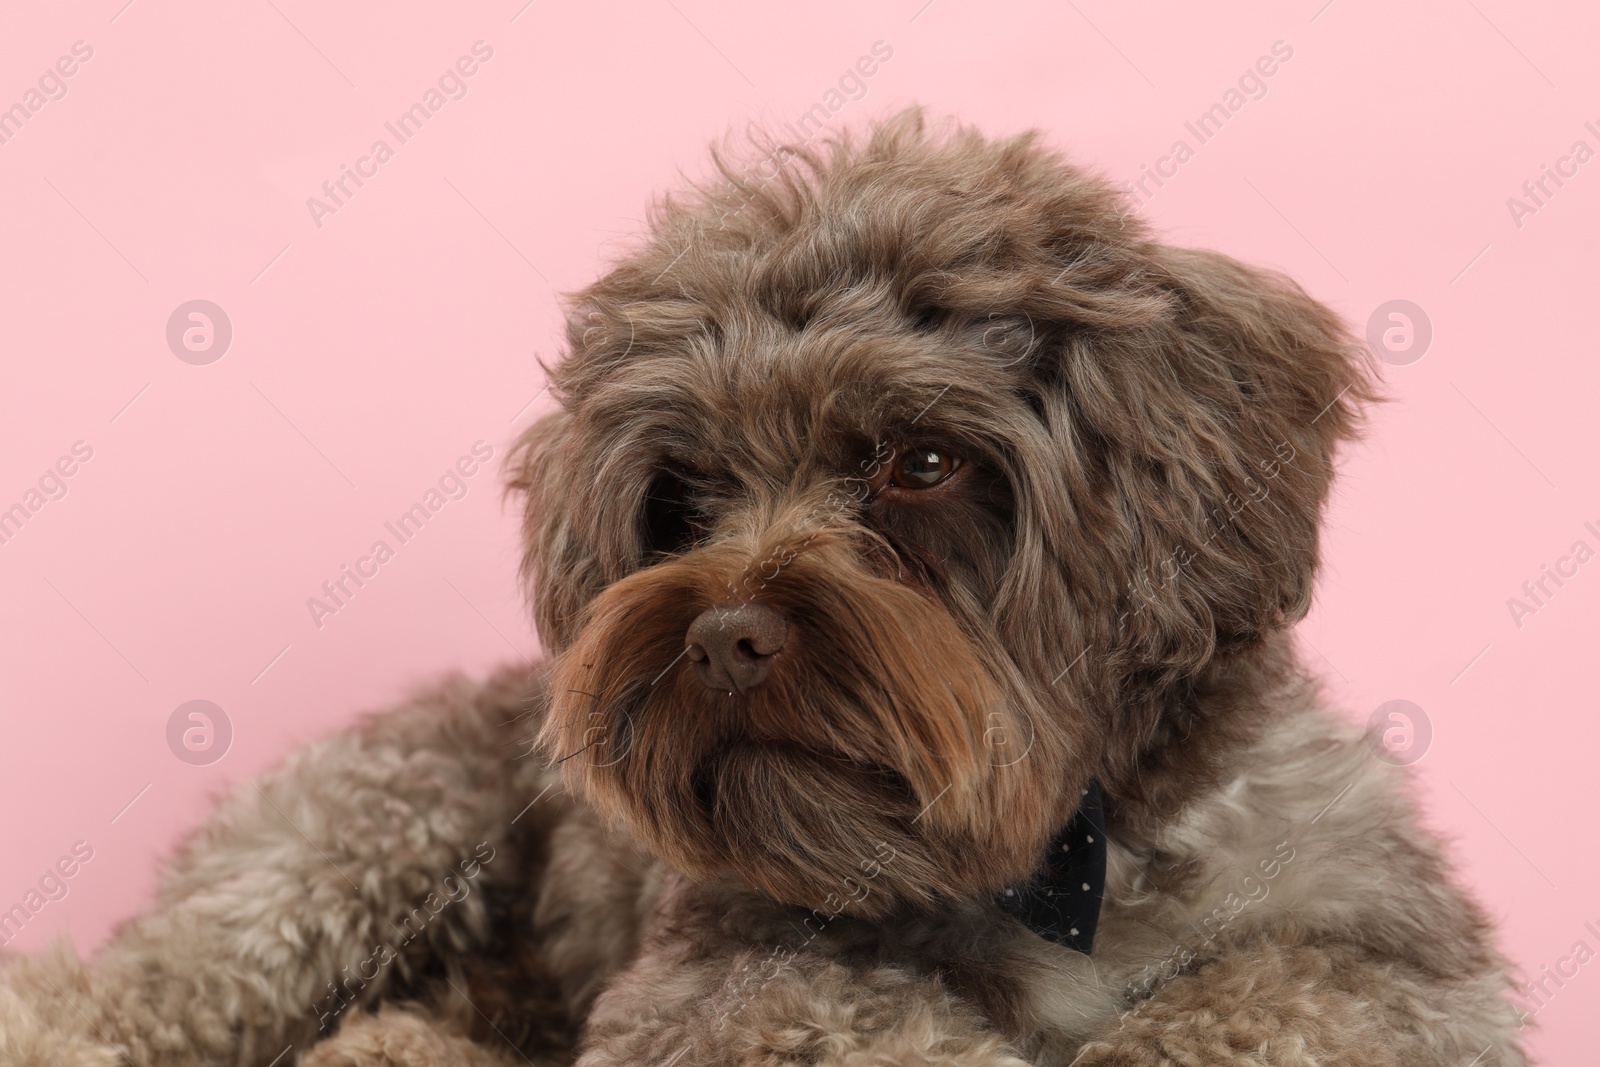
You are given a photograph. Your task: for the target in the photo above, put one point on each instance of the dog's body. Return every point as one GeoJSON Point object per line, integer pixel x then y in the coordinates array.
{"type": "Point", "coordinates": [888, 510]}
{"type": "Point", "coordinates": [1247, 932]}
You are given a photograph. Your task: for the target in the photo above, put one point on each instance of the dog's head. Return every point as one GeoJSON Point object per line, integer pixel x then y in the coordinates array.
{"type": "Point", "coordinates": [900, 489]}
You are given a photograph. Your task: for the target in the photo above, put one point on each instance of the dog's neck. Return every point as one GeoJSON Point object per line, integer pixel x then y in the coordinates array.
{"type": "Point", "coordinates": [1192, 737]}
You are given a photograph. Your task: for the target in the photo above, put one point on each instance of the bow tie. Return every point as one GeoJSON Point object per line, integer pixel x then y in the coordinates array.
{"type": "Point", "coordinates": [1062, 901]}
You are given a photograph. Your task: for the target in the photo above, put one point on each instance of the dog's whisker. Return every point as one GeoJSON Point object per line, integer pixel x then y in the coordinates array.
{"type": "Point", "coordinates": [580, 751]}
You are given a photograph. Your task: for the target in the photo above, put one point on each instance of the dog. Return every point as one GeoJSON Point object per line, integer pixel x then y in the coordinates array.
{"type": "Point", "coordinates": [917, 543]}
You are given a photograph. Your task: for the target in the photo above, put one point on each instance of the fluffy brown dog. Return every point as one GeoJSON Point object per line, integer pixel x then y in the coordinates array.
{"type": "Point", "coordinates": [907, 504]}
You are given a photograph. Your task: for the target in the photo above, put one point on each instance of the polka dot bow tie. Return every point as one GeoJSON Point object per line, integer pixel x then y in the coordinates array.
{"type": "Point", "coordinates": [1062, 901]}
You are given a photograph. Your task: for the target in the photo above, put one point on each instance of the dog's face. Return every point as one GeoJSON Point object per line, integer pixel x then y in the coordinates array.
{"type": "Point", "coordinates": [896, 495]}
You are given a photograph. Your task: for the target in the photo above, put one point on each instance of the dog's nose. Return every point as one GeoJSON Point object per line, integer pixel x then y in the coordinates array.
{"type": "Point", "coordinates": [732, 645]}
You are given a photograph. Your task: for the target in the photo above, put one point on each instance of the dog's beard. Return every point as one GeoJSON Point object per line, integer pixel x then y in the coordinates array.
{"type": "Point", "coordinates": [864, 772]}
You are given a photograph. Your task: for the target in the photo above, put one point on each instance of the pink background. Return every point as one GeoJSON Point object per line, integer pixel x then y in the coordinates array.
{"type": "Point", "coordinates": [372, 352]}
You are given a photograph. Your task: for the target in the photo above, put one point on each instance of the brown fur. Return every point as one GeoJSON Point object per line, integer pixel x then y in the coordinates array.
{"type": "Point", "coordinates": [803, 871]}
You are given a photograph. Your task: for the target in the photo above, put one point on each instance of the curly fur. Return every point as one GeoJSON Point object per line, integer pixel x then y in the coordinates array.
{"type": "Point", "coordinates": [802, 872]}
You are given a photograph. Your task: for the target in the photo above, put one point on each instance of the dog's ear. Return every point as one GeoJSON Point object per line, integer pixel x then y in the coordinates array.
{"type": "Point", "coordinates": [1210, 429]}
{"type": "Point", "coordinates": [562, 572]}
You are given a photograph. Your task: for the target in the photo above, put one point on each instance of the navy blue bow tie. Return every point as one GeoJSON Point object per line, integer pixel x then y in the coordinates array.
{"type": "Point", "coordinates": [1062, 900]}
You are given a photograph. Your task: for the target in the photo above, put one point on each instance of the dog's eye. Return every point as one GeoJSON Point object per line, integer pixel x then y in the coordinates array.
{"type": "Point", "coordinates": [921, 468]}
{"type": "Point", "coordinates": [670, 518]}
